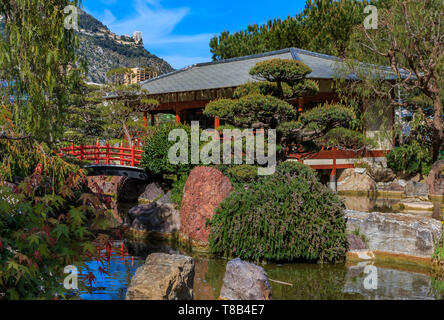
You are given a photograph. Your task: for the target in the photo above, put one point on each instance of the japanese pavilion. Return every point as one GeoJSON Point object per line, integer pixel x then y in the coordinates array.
{"type": "Point", "coordinates": [186, 92]}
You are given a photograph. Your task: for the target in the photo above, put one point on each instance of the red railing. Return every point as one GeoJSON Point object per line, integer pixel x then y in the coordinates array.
{"type": "Point", "coordinates": [105, 154]}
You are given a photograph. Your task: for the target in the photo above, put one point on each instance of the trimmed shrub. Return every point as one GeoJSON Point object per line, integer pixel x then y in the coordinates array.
{"type": "Point", "coordinates": [286, 216]}
{"type": "Point", "coordinates": [262, 87]}
{"type": "Point", "coordinates": [410, 158]}
{"type": "Point", "coordinates": [346, 138]}
{"type": "Point", "coordinates": [155, 157]}
{"type": "Point", "coordinates": [329, 115]}
{"type": "Point", "coordinates": [178, 188]}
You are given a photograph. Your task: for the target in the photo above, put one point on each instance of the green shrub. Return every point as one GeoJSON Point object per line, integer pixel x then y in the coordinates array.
{"type": "Point", "coordinates": [286, 216]}
{"type": "Point", "coordinates": [346, 138]}
{"type": "Point", "coordinates": [410, 158]}
{"type": "Point", "coordinates": [177, 190]}
{"type": "Point", "coordinates": [155, 157]}
{"type": "Point", "coordinates": [255, 110]}
{"type": "Point", "coordinates": [262, 87]}
{"type": "Point", "coordinates": [329, 115]}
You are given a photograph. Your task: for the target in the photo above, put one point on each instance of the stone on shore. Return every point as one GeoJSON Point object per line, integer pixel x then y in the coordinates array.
{"type": "Point", "coordinates": [356, 180]}
{"type": "Point", "coordinates": [154, 218]}
{"type": "Point", "coordinates": [163, 277]}
{"type": "Point", "coordinates": [245, 281]}
{"type": "Point", "coordinates": [435, 180]}
{"type": "Point", "coordinates": [205, 189]}
{"type": "Point", "coordinates": [394, 233]}
{"type": "Point", "coordinates": [416, 189]}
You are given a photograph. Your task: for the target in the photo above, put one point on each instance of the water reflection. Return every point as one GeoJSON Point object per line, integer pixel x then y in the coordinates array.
{"type": "Point", "coordinates": [310, 282]}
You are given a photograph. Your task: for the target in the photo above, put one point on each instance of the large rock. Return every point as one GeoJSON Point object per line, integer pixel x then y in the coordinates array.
{"type": "Point", "coordinates": [163, 277]}
{"type": "Point", "coordinates": [245, 281]}
{"type": "Point", "coordinates": [104, 184]}
{"type": "Point", "coordinates": [356, 180]}
{"type": "Point", "coordinates": [129, 190]}
{"type": "Point", "coordinates": [435, 180]}
{"type": "Point", "coordinates": [154, 218]}
{"type": "Point", "coordinates": [154, 191]}
{"type": "Point", "coordinates": [394, 233]}
{"type": "Point", "coordinates": [381, 174]}
{"type": "Point", "coordinates": [416, 189]}
{"type": "Point", "coordinates": [204, 190]}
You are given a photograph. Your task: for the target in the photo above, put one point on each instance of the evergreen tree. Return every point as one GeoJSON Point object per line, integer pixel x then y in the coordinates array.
{"type": "Point", "coordinates": [37, 65]}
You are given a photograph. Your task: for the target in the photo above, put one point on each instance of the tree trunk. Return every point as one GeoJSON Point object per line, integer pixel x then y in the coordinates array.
{"type": "Point", "coordinates": [438, 127]}
{"type": "Point", "coordinates": [127, 134]}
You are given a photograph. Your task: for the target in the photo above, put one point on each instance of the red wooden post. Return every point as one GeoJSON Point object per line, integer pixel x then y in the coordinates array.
{"type": "Point", "coordinates": [97, 152]}
{"type": "Point", "coordinates": [133, 156]}
{"type": "Point", "coordinates": [178, 117]}
{"type": "Point", "coordinates": [72, 149]}
{"type": "Point", "coordinates": [121, 156]}
{"type": "Point", "coordinates": [216, 123]}
{"type": "Point", "coordinates": [107, 153]}
{"type": "Point", "coordinates": [81, 152]}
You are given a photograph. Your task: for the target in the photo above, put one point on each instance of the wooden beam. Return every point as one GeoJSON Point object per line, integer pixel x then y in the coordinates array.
{"type": "Point", "coordinates": [216, 122]}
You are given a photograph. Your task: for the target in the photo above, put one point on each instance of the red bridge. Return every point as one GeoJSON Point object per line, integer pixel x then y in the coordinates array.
{"type": "Point", "coordinates": [108, 160]}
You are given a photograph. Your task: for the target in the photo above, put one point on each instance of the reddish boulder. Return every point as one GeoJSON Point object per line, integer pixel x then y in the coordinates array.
{"type": "Point", "coordinates": [435, 181]}
{"type": "Point", "coordinates": [205, 189]}
{"type": "Point", "coordinates": [104, 184]}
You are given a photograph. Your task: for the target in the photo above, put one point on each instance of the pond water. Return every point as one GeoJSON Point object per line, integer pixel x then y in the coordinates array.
{"type": "Point", "coordinates": [308, 281]}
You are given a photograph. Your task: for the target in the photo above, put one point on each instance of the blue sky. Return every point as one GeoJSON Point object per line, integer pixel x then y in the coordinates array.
{"type": "Point", "coordinates": [180, 31]}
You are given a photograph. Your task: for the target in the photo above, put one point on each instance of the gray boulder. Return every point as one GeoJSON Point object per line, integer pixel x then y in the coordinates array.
{"type": "Point", "coordinates": [163, 277]}
{"type": "Point", "coordinates": [154, 191]}
{"type": "Point", "coordinates": [155, 217]}
{"type": "Point", "coordinates": [245, 281]}
{"type": "Point", "coordinates": [416, 189]}
{"type": "Point", "coordinates": [395, 233]}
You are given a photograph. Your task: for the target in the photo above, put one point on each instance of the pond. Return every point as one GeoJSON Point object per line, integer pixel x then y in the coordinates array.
{"type": "Point", "coordinates": [308, 281]}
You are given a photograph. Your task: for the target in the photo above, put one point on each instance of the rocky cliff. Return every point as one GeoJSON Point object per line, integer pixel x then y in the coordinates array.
{"type": "Point", "coordinates": [105, 50]}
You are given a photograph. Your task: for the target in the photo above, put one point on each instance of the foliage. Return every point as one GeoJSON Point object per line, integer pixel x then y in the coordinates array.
{"type": "Point", "coordinates": [286, 216]}
{"type": "Point", "coordinates": [38, 65]}
{"type": "Point", "coordinates": [85, 123]}
{"type": "Point", "coordinates": [291, 72]}
{"type": "Point", "coordinates": [252, 111]}
{"type": "Point", "coordinates": [178, 188]}
{"type": "Point", "coordinates": [329, 116]}
{"type": "Point", "coordinates": [346, 139]}
{"type": "Point", "coordinates": [409, 41]}
{"type": "Point", "coordinates": [262, 87]}
{"type": "Point", "coordinates": [410, 158]}
{"type": "Point", "coordinates": [43, 229]}
{"type": "Point", "coordinates": [155, 157]}
{"type": "Point", "coordinates": [323, 26]}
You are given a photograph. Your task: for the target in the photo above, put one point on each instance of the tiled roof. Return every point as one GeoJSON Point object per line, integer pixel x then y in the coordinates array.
{"type": "Point", "coordinates": [235, 72]}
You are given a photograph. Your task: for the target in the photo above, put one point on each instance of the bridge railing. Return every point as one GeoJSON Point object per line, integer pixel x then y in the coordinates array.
{"type": "Point", "coordinates": [106, 154]}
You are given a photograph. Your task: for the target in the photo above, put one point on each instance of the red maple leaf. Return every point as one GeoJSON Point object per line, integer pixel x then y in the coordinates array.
{"type": "Point", "coordinates": [103, 271]}
{"type": "Point", "coordinates": [90, 277]}
{"type": "Point", "coordinates": [37, 255]}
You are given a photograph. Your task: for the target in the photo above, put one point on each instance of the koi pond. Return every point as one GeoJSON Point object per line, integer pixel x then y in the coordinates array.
{"type": "Point", "coordinates": [350, 281]}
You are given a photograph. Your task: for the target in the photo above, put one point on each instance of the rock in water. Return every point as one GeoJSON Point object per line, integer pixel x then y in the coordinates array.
{"type": "Point", "coordinates": [155, 217]}
{"type": "Point", "coordinates": [435, 181]}
{"type": "Point", "coordinates": [245, 281]}
{"type": "Point", "coordinates": [163, 277]}
{"type": "Point", "coordinates": [398, 234]}
{"type": "Point", "coordinates": [416, 189]}
{"type": "Point", "coordinates": [204, 190]}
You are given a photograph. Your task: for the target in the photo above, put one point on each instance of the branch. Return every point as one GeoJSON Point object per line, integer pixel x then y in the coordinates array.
{"type": "Point", "coordinates": [4, 136]}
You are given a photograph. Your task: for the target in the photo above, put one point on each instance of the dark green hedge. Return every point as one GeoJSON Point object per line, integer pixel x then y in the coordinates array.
{"type": "Point", "coordinates": [286, 217]}
{"type": "Point", "coordinates": [155, 157]}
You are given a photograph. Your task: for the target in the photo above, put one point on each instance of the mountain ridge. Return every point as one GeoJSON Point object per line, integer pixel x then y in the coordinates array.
{"type": "Point", "coordinates": [104, 50]}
